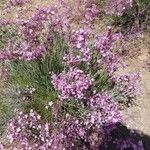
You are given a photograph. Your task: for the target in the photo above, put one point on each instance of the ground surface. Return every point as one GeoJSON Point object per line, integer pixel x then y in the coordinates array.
{"type": "Point", "coordinates": [138, 117]}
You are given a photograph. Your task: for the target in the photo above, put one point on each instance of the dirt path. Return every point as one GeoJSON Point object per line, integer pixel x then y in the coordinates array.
{"type": "Point", "coordinates": [138, 117]}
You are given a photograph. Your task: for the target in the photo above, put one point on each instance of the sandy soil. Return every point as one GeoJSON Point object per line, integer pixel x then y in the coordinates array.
{"type": "Point", "coordinates": [138, 116]}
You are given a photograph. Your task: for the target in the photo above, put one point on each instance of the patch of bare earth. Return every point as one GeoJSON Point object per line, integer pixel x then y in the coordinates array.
{"type": "Point", "coordinates": [138, 116]}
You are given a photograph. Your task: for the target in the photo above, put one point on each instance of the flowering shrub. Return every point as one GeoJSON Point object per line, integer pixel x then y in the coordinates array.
{"type": "Point", "coordinates": [117, 7]}
{"type": "Point", "coordinates": [66, 76]}
{"type": "Point", "coordinates": [69, 132]}
{"type": "Point", "coordinates": [119, 137]}
{"type": "Point", "coordinates": [1, 146]}
{"type": "Point", "coordinates": [18, 2]}
{"type": "Point", "coordinates": [12, 3]}
{"type": "Point", "coordinates": [128, 84]}
{"type": "Point", "coordinates": [104, 45]}
{"type": "Point", "coordinates": [108, 110]}
{"type": "Point", "coordinates": [130, 15]}
{"type": "Point", "coordinates": [72, 85]}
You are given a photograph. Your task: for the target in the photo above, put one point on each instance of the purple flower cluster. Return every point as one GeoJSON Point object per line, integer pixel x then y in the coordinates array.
{"type": "Point", "coordinates": [79, 48]}
{"type": "Point", "coordinates": [104, 109]}
{"type": "Point", "coordinates": [120, 137]}
{"type": "Point", "coordinates": [84, 12]}
{"type": "Point", "coordinates": [12, 3]}
{"type": "Point", "coordinates": [18, 2]}
{"type": "Point", "coordinates": [33, 35]}
{"type": "Point", "coordinates": [128, 84]}
{"type": "Point", "coordinates": [38, 30]}
{"type": "Point", "coordinates": [117, 7]}
{"type": "Point", "coordinates": [22, 53]}
{"type": "Point", "coordinates": [90, 15]}
{"type": "Point", "coordinates": [1, 146]}
{"type": "Point", "coordinates": [4, 22]}
{"type": "Point", "coordinates": [104, 45]}
{"type": "Point", "coordinates": [28, 132]}
{"type": "Point", "coordinates": [37, 52]}
{"type": "Point", "coordinates": [72, 84]}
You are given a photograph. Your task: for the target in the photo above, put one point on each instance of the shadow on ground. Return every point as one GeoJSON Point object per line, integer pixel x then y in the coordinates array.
{"type": "Point", "coordinates": [119, 137]}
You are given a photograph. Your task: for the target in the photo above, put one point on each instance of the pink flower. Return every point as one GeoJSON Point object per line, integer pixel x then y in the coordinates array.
{"type": "Point", "coordinates": [72, 84]}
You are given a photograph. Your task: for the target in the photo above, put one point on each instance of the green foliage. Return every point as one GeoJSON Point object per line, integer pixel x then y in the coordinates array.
{"type": "Point", "coordinates": [8, 102]}
{"type": "Point", "coordinates": [36, 74]}
{"type": "Point", "coordinates": [103, 81]}
{"type": "Point", "coordinates": [74, 109]}
{"type": "Point", "coordinates": [101, 3]}
{"type": "Point", "coordinates": [6, 33]}
{"type": "Point", "coordinates": [99, 73]}
{"type": "Point", "coordinates": [135, 18]}
{"type": "Point", "coordinates": [4, 113]}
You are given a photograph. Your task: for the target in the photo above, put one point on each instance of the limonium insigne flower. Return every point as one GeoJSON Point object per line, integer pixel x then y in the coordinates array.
{"type": "Point", "coordinates": [72, 84]}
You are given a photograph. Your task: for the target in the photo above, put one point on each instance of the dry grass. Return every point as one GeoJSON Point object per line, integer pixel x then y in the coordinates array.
{"type": "Point", "coordinates": [137, 45]}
